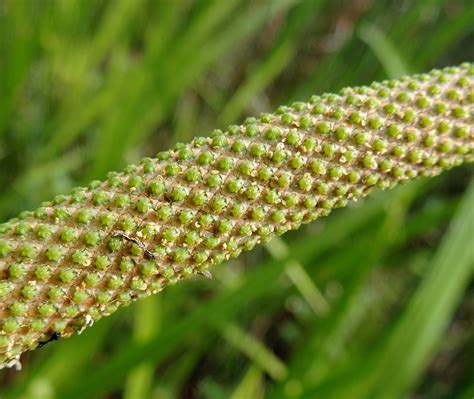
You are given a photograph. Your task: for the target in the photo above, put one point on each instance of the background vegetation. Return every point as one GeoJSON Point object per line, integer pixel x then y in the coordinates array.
{"type": "Point", "coordinates": [376, 301]}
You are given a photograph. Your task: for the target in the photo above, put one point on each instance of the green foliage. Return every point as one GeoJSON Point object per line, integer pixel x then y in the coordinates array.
{"type": "Point", "coordinates": [90, 86]}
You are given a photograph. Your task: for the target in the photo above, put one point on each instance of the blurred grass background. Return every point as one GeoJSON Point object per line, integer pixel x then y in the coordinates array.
{"type": "Point", "coordinates": [376, 301]}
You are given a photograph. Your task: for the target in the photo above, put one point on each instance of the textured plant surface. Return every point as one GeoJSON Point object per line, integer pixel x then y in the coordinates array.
{"type": "Point", "coordinates": [80, 257]}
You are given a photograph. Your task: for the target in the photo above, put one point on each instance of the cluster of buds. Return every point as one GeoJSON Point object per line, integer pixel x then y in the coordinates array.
{"type": "Point", "coordinates": [82, 256]}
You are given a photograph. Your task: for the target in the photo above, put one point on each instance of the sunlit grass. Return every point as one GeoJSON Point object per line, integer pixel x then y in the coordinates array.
{"type": "Point", "coordinates": [89, 86]}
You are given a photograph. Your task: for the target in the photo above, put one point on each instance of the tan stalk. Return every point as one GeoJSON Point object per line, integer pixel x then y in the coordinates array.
{"type": "Point", "coordinates": [82, 256]}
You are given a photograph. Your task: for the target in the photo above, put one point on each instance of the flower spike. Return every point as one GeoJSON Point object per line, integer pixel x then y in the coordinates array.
{"type": "Point", "coordinates": [82, 256]}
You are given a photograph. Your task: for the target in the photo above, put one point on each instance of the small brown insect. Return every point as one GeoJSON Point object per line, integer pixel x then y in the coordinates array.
{"type": "Point", "coordinates": [54, 337]}
{"type": "Point", "coordinates": [147, 253]}
{"type": "Point", "coordinates": [205, 273]}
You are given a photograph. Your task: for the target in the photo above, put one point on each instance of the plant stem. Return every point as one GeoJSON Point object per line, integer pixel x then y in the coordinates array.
{"type": "Point", "coordinates": [82, 256]}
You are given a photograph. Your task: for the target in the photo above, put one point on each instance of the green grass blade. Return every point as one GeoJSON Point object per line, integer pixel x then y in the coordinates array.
{"type": "Point", "coordinates": [255, 350]}
{"type": "Point", "coordinates": [251, 385]}
{"type": "Point", "coordinates": [384, 50]}
{"type": "Point", "coordinates": [147, 323]}
{"type": "Point", "coordinates": [18, 46]}
{"type": "Point", "coordinates": [448, 32]}
{"type": "Point", "coordinates": [414, 339]}
{"type": "Point", "coordinates": [282, 52]}
{"type": "Point", "coordinates": [278, 249]}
